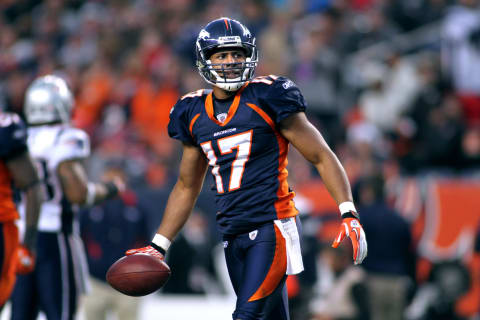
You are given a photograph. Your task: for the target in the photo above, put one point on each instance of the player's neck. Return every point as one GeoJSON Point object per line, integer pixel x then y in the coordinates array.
{"type": "Point", "coordinates": [221, 94]}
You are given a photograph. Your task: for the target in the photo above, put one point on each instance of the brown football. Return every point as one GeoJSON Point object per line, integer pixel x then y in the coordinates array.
{"type": "Point", "coordinates": [138, 275]}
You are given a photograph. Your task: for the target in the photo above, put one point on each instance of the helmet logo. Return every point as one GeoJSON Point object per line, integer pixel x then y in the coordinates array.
{"type": "Point", "coordinates": [246, 32]}
{"type": "Point", "coordinates": [204, 34]}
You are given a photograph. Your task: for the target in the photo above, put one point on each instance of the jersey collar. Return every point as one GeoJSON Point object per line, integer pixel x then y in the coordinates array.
{"type": "Point", "coordinates": [231, 110]}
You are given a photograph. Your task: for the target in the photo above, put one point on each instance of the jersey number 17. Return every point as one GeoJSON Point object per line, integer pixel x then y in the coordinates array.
{"type": "Point", "coordinates": [242, 142]}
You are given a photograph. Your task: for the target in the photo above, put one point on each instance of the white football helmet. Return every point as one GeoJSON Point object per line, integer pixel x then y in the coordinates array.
{"type": "Point", "coordinates": [48, 100]}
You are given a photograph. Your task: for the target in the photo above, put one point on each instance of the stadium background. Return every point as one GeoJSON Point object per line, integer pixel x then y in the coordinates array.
{"type": "Point", "coordinates": [393, 85]}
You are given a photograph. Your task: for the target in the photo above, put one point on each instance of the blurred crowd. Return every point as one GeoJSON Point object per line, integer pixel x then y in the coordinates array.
{"type": "Point", "coordinates": [393, 85]}
{"type": "Point", "coordinates": [129, 61]}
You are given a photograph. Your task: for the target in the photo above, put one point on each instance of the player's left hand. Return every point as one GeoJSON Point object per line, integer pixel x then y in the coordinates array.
{"type": "Point", "coordinates": [352, 228]}
{"type": "Point", "coordinates": [25, 260]}
{"type": "Point", "coordinates": [120, 184]}
{"type": "Point", "coordinates": [146, 250]}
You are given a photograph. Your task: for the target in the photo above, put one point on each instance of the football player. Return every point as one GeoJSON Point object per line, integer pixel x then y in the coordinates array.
{"type": "Point", "coordinates": [16, 166]}
{"type": "Point", "coordinates": [58, 150]}
{"type": "Point", "coordinates": [241, 129]}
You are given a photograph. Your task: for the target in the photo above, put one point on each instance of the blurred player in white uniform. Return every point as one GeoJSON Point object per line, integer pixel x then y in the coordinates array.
{"type": "Point", "coordinates": [58, 150]}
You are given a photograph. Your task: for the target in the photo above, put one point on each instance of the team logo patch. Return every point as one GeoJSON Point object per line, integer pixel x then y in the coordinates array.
{"type": "Point", "coordinates": [225, 244]}
{"type": "Point", "coordinates": [288, 84]}
{"type": "Point", "coordinates": [252, 235]}
{"type": "Point", "coordinates": [222, 117]}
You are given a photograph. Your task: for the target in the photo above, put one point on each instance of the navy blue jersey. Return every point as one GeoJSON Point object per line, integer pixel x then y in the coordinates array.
{"type": "Point", "coordinates": [246, 152]}
{"type": "Point", "coordinates": [13, 135]}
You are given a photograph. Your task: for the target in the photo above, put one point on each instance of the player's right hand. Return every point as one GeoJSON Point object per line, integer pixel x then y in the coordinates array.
{"type": "Point", "coordinates": [146, 250]}
{"type": "Point", "coordinates": [25, 260]}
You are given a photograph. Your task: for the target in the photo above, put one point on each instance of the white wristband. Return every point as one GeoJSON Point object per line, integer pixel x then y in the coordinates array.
{"type": "Point", "coordinates": [347, 206]}
{"type": "Point", "coordinates": [161, 241]}
{"type": "Point", "coordinates": [91, 192]}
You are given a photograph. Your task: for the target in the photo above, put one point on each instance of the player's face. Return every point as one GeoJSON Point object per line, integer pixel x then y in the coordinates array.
{"type": "Point", "coordinates": [228, 59]}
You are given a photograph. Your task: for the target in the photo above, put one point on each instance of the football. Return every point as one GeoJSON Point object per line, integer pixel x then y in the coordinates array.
{"type": "Point", "coordinates": [138, 275]}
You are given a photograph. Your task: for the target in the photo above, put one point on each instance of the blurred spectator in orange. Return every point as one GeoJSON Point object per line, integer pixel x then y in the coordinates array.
{"type": "Point", "coordinates": [157, 92]}
{"type": "Point", "coordinates": [94, 93]}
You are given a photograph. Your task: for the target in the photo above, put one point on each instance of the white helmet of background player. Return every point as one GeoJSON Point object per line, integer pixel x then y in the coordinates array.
{"type": "Point", "coordinates": [48, 100]}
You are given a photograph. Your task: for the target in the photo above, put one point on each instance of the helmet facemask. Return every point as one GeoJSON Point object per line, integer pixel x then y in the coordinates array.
{"type": "Point", "coordinates": [217, 73]}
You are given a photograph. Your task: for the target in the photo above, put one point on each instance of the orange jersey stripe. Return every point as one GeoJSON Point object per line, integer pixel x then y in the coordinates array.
{"type": "Point", "coordinates": [284, 205]}
{"type": "Point", "coordinates": [264, 115]}
{"type": "Point", "coordinates": [277, 269]}
{"type": "Point", "coordinates": [8, 210]}
{"type": "Point", "coordinates": [231, 111]}
{"type": "Point", "coordinates": [192, 123]}
{"type": "Point", "coordinates": [7, 275]}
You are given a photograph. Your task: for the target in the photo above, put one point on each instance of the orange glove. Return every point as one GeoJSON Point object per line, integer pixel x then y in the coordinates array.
{"type": "Point", "coordinates": [146, 250]}
{"type": "Point", "coordinates": [25, 261]}
{"type": "Point", "coordinates": [352, 228]}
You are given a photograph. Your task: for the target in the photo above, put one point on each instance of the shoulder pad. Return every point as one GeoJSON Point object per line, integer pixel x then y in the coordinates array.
{"type": "Point", "coordinates": [275, 82]}
{"type": "Point", "coordinates": [74, 137]}
{"type": "Point", "coordinates": [71, 144]}
{"type": "Point", "coordinates": [10, 120]}
{"type": "Point", "coordinates": [280, 96]}
{"type": "Point", "coordinates": [270, 79]}
{"type": "Point", "coordinates": [185, 100]}
{"type": "Point", "coordinates": [13, 134]}
{"type": "Point", "coordinates": [195, 94]}
{"type": "Point", "coordinates": [285, 82]}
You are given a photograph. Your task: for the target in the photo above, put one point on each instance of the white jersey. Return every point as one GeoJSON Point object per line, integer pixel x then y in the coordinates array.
{"type": "Point", "coordinates": [49, 146]}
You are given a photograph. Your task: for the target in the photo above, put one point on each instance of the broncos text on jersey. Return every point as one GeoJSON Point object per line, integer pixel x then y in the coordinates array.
{"type": "Point", "coordinates": [245, 151]}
